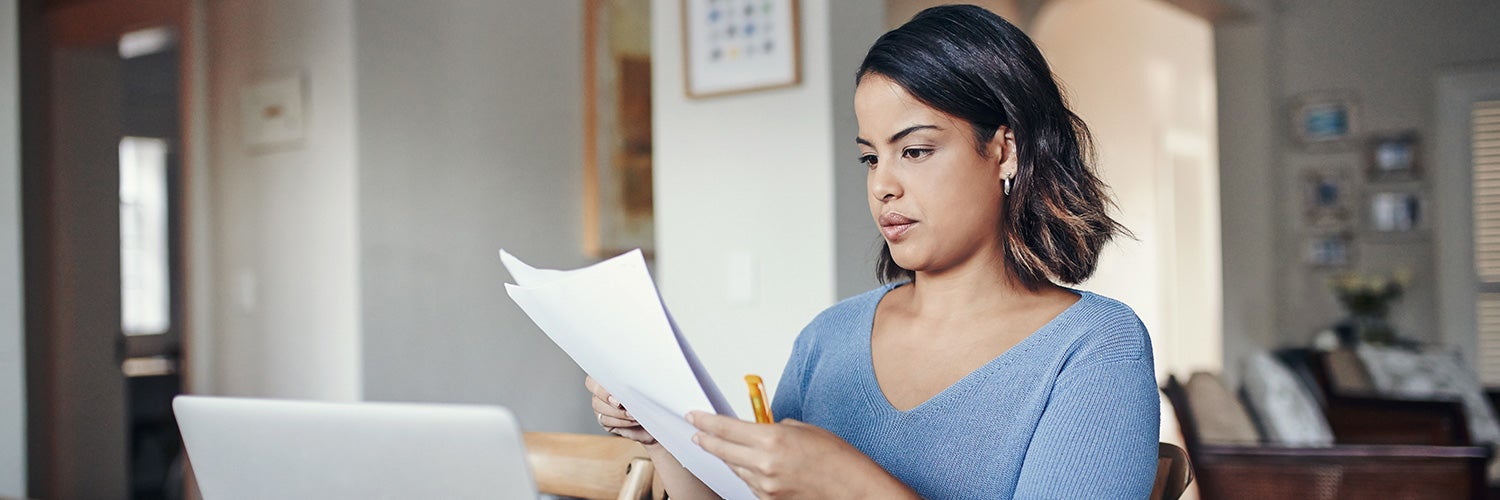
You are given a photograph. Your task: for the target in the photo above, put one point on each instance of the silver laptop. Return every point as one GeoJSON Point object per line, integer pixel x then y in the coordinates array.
{"type": "Point", "coordinates": [262, 448]}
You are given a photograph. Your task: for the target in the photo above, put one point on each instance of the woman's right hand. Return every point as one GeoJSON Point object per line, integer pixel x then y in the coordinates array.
{"type": "Point", "coordinates": [613, 416]}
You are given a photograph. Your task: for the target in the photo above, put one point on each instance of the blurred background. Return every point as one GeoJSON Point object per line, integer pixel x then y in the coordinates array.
{"type": "Point", "coordinates": [304, 198]}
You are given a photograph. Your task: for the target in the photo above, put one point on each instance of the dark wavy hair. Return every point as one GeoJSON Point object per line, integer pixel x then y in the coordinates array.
{"type": "Point", "coordinates": [972, 64]}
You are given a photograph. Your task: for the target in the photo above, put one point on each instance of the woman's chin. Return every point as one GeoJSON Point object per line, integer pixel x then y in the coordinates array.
{"type": "Point", "coordinates": [908, 262]}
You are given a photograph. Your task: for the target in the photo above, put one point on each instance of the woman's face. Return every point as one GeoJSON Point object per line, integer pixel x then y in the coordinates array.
{"type": "Point", "coordinates": [936, 199]}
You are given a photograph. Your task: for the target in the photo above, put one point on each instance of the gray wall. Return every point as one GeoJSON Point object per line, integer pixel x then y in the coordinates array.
{"type": "Point", "coordinates": [1388, 53]}
{"type": "Point", "coordinates": [1246, 180]}
{"type": "Point", "coordinates": [470, 140]}
{"type": "Point", "coordinates": [856, 241]}
{"type": "Point", "coordinates": [12, 351]}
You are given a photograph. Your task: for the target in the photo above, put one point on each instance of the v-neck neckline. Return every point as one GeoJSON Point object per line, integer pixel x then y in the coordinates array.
{"type": "Point", "coordinates": [876, 394]}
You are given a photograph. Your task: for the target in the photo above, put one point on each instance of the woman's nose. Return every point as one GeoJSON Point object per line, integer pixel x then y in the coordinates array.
{"type": "Point", "coordinates": [883, 186]}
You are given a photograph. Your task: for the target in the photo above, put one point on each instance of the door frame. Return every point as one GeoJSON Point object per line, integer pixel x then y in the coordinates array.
{"type": "Point", "coordinates": [1453, 198]}
{"type": "Point", "coordinates": [46, 25]}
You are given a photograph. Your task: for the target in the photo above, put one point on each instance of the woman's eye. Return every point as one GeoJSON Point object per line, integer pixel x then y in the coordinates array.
{"type": "Point", "coordinates": [916, 153]}
{"type": "Point", "coordinates": [869, 160]}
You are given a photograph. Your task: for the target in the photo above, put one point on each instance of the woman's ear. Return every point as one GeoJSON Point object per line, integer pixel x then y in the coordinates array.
{"type": "Point", "coordinates": [1004, 149]}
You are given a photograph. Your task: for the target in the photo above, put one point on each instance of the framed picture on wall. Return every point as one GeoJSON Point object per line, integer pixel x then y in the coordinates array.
{"type": "Point", "coordinates": [618, 203]}
{"type": "Point", "coordinates": [1329, 250]}
{"type": "Point", "coordinates": [733, 46]}
{"type": "Point", "coordinates": [1398, 211]}
{"type": "Point", "coordinates": [1394, 157]}
{"type": "Point", "coordinates": [1325, 119]}
{"type": "Point", "coordinates": [1328, 197]}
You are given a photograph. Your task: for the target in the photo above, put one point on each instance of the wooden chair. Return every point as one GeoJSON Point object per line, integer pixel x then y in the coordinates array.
{"type": "Point", "coordinates": [590, 467]}
{"type": "Point", "coordinates": [1174, 472]}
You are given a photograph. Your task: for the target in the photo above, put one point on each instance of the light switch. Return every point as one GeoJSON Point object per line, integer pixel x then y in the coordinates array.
{"type": "Point", "coordinates": [246, 291]}
{"type": "Point", "coordinates": [739, 278]}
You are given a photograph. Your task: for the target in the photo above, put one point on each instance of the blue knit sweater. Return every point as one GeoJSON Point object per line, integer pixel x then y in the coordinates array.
{"type": "Point", "coordinates": [1070, 412]}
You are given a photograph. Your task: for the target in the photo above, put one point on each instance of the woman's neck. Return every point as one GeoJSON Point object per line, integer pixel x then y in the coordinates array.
{"type": "Point", "coordinates": [982, 285]}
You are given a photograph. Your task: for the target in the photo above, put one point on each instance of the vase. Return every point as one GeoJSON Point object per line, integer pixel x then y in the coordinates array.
{"type": "Point", "coordinates": [1366, 328]}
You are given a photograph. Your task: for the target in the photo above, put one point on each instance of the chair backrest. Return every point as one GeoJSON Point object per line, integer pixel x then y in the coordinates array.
{"type": "Point", "coordinates": [589, 466]}
{"type": "Point", "coordinates": [1174, 472]}
{"type": "Point", "coordinates": [1177, 396]}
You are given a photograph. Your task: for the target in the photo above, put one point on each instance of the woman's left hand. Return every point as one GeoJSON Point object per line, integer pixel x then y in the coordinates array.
{"type": "Point", "coordinates": [791, 459]}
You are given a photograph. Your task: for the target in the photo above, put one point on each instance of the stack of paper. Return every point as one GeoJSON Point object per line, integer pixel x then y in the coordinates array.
{"type": "Point", "coordinates": [610, 319]}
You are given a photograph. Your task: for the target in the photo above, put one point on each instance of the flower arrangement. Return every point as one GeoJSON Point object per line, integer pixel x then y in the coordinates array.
{"type": "Point", "coordinates": [1368, 298]}
{"type": "Point", "coordinates": [1369, 294]}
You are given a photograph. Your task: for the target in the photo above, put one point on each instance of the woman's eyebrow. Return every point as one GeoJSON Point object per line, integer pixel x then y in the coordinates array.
{"type": "Point", "coordinates": [908, 130]}
{"type": "Point", "coordinates": [898, 135]}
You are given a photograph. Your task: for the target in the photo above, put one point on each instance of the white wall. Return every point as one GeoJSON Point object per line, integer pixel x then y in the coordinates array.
{"type": "Point", "coordinates": [744, 177]}
{"type": "Point", "coordinates": [898, 12]}
{"type": "Point", "coordinates": [12, 345]}
{"type": "Point", "coordinates": [470, 140]}
{"type": "Point", "coordinates": [1140, 74]}
{"type": "Point", "coordinates": [286, 242]}
{"type": "Point", "coordinates": [1388, 53]}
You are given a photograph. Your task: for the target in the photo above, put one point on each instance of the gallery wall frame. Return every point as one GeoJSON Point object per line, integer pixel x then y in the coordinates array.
{"type": "Point", "coordinates": [1325, 120]}
{"type": "Point", "coordinates": [1329, 250]}
{"type": "Point", "coordinates": [1394, 157]}
{"type": "Point", "coordinates": [1397, 212]}
{"type": "Point", "coordinates": [1329, 197]}
{"type": "Point", "coordinates": [738, 46]}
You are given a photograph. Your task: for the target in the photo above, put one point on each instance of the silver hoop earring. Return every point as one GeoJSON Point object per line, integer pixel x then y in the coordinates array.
{"type": "Point", "coordinates": [1007, 186]}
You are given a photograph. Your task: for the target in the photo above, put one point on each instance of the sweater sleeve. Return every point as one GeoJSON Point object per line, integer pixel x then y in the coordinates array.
{"type": "Point", "coordinates": [1098, 436]}
{"type": "Point", "coordinates": [788, 400]}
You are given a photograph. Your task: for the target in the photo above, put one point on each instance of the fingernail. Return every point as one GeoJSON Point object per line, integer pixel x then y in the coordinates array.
{"type": "Point", "coordinates": [627, 415]}
{"type": "Point", "coordinates": [689, 417]}
{"type": "Point", "coordinates": [614, 402]}
{"type": "Point", "coordinates": [695, 438]}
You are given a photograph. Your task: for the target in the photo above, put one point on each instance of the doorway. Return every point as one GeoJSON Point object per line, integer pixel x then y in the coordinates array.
{"type": "Point", "coordinates": [1141, 74]}
{"type": "Point", "coordinates": [103, 174]}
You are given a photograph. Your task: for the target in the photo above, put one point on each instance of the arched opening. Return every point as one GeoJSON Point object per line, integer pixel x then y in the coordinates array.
{"type": "Point", "coordinates": [1141, 74]}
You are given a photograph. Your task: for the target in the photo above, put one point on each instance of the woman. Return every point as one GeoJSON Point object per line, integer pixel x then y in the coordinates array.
{"type": "Point", "coordinates": [970, 373]}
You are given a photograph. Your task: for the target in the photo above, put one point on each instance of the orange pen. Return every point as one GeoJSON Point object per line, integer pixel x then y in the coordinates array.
{"type": "Point", "coordinates": [758, 399]}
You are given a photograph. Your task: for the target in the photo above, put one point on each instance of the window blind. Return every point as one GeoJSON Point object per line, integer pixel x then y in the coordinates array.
{"type": "Point", "coordinates": [1485, 142]}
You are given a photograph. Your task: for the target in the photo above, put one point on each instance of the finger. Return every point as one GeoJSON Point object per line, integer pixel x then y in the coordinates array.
{"type": "Point", "coordinates": [728, 428]}
{"type": "Point", "coordinates": [751, 478]}
{"type": "Point", "coordinates": [608, 410]}
{"type": "Point", "coordinates": [599, 391]}
{"type": "Point", "coordinates": [608, 421]}
{"type": "Point", "coordinates": [636, 434]}
{"type": "Point", "coordinates": [734, 454]}
{"type": "Point", "coordinates": [596, 389]}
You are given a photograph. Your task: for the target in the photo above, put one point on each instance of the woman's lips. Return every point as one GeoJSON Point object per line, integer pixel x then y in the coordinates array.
{"type": "Point", "coordinates": [894, 225]}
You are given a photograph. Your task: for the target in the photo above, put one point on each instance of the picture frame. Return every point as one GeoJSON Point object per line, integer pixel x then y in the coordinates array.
{"type": "Point", "coordinates": [618, 199]}
{"type": "Point", "coordinates": [1326, 119]}
{"type": "Point", "coordinates": [1330, 250]}
{"type": "Point", "coordinates": [736, 46]}
{"type": "Point", "coordinates": [1397, 211]}
{"type": "Point", "coordinates": [1394, 157]}
{"type": "Point", "coordinates": [1329, 197]}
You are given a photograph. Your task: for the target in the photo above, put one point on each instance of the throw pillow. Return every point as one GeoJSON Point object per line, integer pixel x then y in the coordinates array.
{"type": "Point", "coordinates": [1287, 413]}
{"type": "Point", "coordinates": [1220, 416]}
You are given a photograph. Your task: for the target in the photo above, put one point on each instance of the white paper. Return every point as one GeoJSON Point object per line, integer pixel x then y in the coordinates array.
{"type": "Point", "coordinates": [610, 319]}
